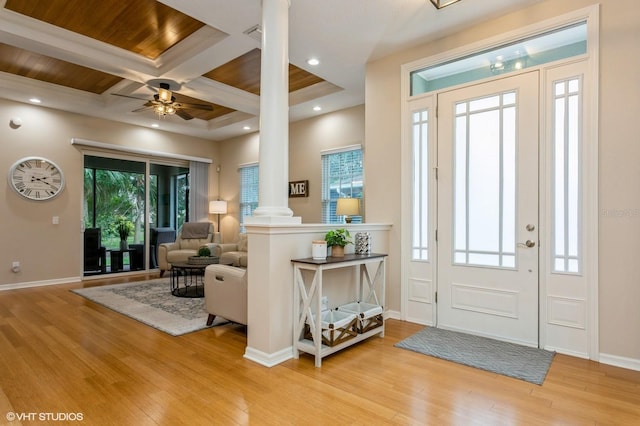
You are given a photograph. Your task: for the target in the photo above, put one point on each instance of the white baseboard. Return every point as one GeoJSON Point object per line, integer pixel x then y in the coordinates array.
{"type": "Point", "coordinates": [392, 315]}
{"type": "Point", "coordinates": [268, 360]}
{"type": "Point", "coordinates": [619, 361]}
{"type": "Point", "coordinates": [39, 283]}
{"type": "Point", "coordinates": [562, 351]}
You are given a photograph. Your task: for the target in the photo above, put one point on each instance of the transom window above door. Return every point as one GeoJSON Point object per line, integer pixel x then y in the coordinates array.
{"type": "Point", "coordinates": [533, 51]}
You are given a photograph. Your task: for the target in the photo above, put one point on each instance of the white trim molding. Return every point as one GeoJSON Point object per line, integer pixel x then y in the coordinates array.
{"type": "Point", "coordinates": [111, 147]}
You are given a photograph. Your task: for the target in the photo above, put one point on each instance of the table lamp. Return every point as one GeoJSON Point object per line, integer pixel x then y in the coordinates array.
{"type": "Point", "coordinates": [218, 207]}
{"type": "Point", "coordinates": [348, 207]}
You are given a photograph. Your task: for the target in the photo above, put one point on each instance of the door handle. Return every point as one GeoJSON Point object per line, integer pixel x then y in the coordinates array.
{"type": "Point", "coordinates": [528, 243]}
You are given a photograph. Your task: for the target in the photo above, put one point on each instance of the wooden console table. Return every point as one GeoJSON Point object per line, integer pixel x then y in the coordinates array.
{"type": "Point", "coordinates": [307, 303]}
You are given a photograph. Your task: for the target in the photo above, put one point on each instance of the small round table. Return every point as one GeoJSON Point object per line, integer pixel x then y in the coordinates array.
{"type": "Point", "coordinates": [187, 279]}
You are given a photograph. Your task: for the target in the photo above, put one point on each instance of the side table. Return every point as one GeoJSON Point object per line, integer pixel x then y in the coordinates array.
{"type": "Point", "coordinates": [187, 279]}
{"type": "Point", "coordinates": [307, 303]}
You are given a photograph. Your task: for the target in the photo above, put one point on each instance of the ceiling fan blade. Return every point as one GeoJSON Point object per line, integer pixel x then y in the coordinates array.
{"type": "Point", "coordinates": [144, 108]}
{"type": "Point", "coordinates": [183, 114]}
{"type": "Point", "coordinates": [131, 97]}
{"type": "Point", "coordinates": [203, 107]}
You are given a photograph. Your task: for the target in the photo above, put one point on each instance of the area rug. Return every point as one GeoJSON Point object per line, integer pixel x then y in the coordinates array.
{"type": "Point", "coordinates": [152, 303]}
{"type": "Point", "coordinates": [508, 359]}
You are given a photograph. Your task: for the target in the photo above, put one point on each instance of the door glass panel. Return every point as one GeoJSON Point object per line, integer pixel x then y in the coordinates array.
{"type": "Point", "coordinates": [485, 181]}
{"type": "Point", "coordinates": [114, 215]}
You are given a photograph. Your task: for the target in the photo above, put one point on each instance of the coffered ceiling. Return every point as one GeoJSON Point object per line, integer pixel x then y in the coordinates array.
{"type": "Point", "coordinates": [107, 58]}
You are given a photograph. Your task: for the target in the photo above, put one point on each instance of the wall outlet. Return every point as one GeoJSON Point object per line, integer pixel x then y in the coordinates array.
{"type": "Point", "coordinates": [15, 266]}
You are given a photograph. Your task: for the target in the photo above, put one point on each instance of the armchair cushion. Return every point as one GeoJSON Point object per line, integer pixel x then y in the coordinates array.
{"type": "Point", "coordinates": [243, 243]}
{"type": "Point", "coordinates": [235, 254]}
{"type": "Point", "coordinates": [225, 293]}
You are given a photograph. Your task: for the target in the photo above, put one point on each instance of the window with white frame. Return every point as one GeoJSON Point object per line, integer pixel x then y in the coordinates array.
{"type": "Point", "coordinates": [341, 178]}
{"type": "Point", "coordinates": [248, 192]}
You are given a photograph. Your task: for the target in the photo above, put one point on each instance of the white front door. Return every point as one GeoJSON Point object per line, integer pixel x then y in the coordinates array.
{"type": "Point", "coordinates": [487, 271]}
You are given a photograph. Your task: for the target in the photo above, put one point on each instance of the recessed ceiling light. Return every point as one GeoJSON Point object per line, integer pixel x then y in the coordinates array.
{"type": "Point", "coordinates": [313, 61]}
{"type": "Point", "coordinates": [317, 108]}
{"type": "Point", "coordinates": [35, 100]}
{"type": "Point", "coordinates": [246, 128]}
{"type": "Point", "coordinates": [156, 125]}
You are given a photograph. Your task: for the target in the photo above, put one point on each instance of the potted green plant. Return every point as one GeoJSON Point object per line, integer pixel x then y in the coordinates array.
{"type": "Point", "coordinates": [124, 228]}
{"type": "Point", "coordinates": [203, 258]}
{"type": "Point", "coordinates": [204, 251]}
{"type": "Point", "coordinates": [337, 239]}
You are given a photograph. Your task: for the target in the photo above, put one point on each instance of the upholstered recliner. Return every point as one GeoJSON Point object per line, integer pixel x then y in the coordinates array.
{"type": "Point", "coordinates": [190, 238]}
{"type": "Point", "coordinates": [225, 293]}
{"type": "Point", "coordinates": [235, 254]}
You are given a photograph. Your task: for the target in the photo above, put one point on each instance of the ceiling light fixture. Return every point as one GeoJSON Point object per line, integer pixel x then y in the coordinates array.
{"type": "Point", "coordinates": [164, 101]}
{"type": "Point", "coordinates": [35, 100]}
{"type": "Point", "coordinates": [313, 61]}
{"type": "Point", "coordinates": [439, 4]}
{"type": "Point", "coordinates": [246, 128]}
{"type": "Point", "coordinates": [317, 108]}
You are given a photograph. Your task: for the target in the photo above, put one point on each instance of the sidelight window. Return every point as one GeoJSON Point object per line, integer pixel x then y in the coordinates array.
{"type": "Point", "coordinates": [420, 211]}
{"type": "Point", "coordinates": [566, 219]}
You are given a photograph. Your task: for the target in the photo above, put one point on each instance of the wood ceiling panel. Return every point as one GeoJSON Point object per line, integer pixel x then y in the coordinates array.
{"type": "Point", "coordinates": [244, 73]}
{"type": "Point", "coordinates": [145, 27]}
{"type": "Point", "coordinates": [21, 62]}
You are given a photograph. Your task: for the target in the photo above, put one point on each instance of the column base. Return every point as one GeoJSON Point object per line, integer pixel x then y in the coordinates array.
{"type": "Point", "coordinates": [278, 211]}
{"type": "Point", "coordinates": [275, 220]}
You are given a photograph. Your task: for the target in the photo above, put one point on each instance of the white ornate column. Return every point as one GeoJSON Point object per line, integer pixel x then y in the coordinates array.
{"type": "Point", "coordinates": [273, 200]}
{"type": "Point", "coordinates": [270, 240]}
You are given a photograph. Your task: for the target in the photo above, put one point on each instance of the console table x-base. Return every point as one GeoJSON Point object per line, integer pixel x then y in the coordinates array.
{"type": "Point", "coordinates": [307, 304]}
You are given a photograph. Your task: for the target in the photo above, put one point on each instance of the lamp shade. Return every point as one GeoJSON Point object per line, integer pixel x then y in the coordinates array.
{"type": "Point", "coordinates": [218, 207]}
{"type": "Point", "coordinates": [348, 207]}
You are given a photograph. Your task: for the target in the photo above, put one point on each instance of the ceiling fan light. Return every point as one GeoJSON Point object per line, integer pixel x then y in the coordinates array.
{"type": "Point", "coordinates": [164, 95]}
{"type": "Point", "coordinates": [160, 110]}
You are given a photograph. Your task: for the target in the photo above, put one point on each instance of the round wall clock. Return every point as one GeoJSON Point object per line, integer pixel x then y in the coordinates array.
{"type": "Point", "coordinates": [36, 178]}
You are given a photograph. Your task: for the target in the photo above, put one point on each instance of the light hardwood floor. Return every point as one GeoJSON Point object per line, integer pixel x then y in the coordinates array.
{"type": "Point", "coordinates": [60, 353]}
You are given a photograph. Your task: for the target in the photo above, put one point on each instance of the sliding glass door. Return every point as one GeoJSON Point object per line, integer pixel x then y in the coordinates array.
{"type": "Point", "coordinates": [116, 218]}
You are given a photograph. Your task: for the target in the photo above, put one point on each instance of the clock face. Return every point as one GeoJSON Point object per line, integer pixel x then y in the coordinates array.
{"type": "Point", "coordinates": [36, 178]}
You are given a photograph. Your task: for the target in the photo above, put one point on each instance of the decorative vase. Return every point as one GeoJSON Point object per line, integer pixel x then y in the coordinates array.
{"type": "Point", "coordinates": [319, 249]}
{"type": "Point", "coordinates": [124, 245]}
{"type": "Point", "coordinates": [337, 251]}
{"type": "Point", "coordinates": [363, 243]}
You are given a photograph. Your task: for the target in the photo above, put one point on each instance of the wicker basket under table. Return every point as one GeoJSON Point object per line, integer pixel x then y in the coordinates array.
{"type": "Point", "coordinates": [337, 327]}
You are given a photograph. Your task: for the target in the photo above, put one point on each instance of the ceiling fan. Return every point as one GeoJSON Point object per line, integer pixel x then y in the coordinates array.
{"type": "Point", "coordinates": [164, 103]}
